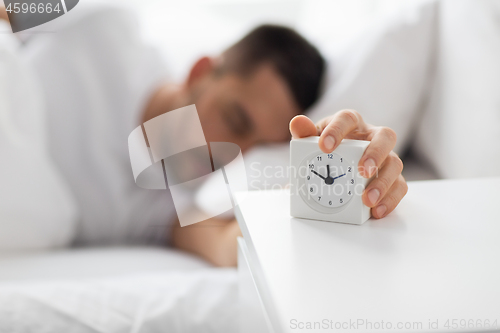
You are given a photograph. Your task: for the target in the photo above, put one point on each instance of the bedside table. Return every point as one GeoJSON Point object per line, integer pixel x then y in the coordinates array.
{"type": "Point", "coordinates": [432, 265]}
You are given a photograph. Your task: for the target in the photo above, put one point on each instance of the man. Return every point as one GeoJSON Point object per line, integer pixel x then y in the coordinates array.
{"type": "Point", "coordinates": [100, 82]}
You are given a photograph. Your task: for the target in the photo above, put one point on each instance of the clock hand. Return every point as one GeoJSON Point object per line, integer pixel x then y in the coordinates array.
{"type": "Point", "coordinates": [339, 176]}
{"type": "Point", "coordinates": [329, 179]}
{"type": "Point", "coordinates": [317, 174]}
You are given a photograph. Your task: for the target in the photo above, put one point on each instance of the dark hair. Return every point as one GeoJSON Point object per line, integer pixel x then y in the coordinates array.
{"type": "Point", "coordinates": [293, 57]}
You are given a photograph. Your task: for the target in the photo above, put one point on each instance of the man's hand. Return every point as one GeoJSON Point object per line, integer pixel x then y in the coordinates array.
{"type": "Point", "coordinates": [387, 189]}
{"type": "Point", "coordinates": [213, 240]}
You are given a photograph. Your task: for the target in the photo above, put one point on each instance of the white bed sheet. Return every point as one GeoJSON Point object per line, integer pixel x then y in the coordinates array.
{"type": "Point", "coordinates": [115, 290]}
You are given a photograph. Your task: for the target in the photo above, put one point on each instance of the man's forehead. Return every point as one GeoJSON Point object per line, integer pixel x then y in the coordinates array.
{"type": "Point", "coordinates": [270, 101]}
{"type": "Point", "coordinates": [268, 87]}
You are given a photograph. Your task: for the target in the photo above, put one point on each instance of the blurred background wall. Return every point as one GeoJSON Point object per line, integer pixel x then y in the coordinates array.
{"type": "Point", "coordinates": [215, 24]}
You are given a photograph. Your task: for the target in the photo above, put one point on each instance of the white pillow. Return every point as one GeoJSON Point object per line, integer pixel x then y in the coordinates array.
{"type": "Point", "coordinates": [432, 75]}
{"type": "Point", "coordinates": [459, 133]}
{"type": "Point", "coordinates": [36, 209]}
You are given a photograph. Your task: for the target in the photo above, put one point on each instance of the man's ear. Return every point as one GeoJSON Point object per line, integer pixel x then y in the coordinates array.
{"type": "Point", "coordinates": [200, 69]}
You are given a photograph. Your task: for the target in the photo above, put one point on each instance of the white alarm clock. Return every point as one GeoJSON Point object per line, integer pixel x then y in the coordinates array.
{"type": "Point", "coordinates": [327, 187]}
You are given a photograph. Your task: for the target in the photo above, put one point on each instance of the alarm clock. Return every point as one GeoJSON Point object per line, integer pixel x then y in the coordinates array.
{"type": "Point", "coordinates": [327, 187]}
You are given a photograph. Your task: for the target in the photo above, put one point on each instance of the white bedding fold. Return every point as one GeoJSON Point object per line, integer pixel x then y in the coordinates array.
{"type": "Point", "coordinates": [198, 301]}
{"type": "Point", "coordinates": [36, 209]}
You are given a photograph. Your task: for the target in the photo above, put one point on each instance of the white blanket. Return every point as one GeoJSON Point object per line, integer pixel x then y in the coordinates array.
{"type": "Point", "coordinates": [116, 290]}
{"type": "Point", "coordinates": [183, 301]}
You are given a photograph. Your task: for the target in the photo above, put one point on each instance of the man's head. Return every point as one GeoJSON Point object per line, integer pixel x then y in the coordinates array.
{"type": "Point", "coordinates": [249, 94]}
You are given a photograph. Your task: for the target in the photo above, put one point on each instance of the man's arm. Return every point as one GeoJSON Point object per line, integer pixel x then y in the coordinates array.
{"type": "Point", "coordinates": [213, 240]}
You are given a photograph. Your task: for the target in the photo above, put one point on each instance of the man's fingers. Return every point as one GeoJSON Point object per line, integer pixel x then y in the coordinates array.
{"type": "Point", "coordinates": [397, 191]}
{"type": "Point", "coordinates": [380, 186]}
{"type": "Point", "coordinates": [302, 127]}
{"type": "Point", "coordinates": [382, 143]}
{"type": "Point", "coordinates": [334, 129]}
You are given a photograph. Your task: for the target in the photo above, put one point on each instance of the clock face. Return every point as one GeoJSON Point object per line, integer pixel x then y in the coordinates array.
{"type": "Point", "coordinates": [329, 180]}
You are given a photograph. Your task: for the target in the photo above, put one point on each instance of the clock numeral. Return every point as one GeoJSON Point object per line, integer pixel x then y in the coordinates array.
{"type": "Point", "coordinates": [330, 156]}
{"type": "Point", "coordinates": [319, 198]}
{"type": "Point", "coordinates": [308, 177]}
{"type": "Point", "coordinates": [311, 166]}
{"type": "Point", "coordinates": [341, 201]}
{"type": "Point", "coordinates": [352, 181]}
{"type": "Point", "coordinates": [341, 160]}
{"type": "Point", "coordinates": [330, 202]}
{"type": "Point", "coordinates": [319, 158]}
{"type": "Point", "coordinates": [349, 169]}
{"type": "Point", "coordinates": [349, 193]}
{"type": "Point", "coordinates": [311, 189]}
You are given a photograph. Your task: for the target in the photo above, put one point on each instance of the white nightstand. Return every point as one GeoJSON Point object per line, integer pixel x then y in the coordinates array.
{"type": "Point", "coordinates": [434, 261]}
